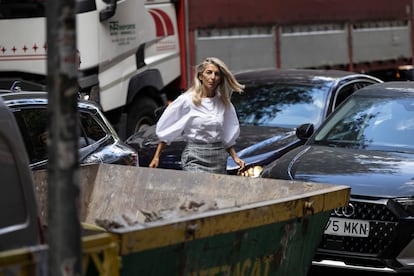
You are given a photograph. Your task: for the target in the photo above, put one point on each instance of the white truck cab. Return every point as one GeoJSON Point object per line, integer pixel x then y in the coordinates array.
{"type": "Point", "coordinates": [129, 53]}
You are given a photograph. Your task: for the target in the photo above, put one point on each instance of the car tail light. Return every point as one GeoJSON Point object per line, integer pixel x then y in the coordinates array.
{"type": "Point", "coordinates": [134, 159]}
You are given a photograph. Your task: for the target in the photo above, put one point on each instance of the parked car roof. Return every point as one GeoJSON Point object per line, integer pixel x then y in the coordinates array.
{"type": "Point", "coordinates": [298, 75]}
{"type": "Point", "coordinates": [98, 142]}
{"type": "Point", "coordinates": [367, 144]}
{"type": "Point", "coordinates": [273, 104]}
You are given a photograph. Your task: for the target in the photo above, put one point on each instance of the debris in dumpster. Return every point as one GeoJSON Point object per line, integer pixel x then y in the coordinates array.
{"type": "Point", "coordinates": [109, 224]}
{"type": "Point", "coordinates": [195, 206]}
{"type": "Point", "coordinates": [144, 216]}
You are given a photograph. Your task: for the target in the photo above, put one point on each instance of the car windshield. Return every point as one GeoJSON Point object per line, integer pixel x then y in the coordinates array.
{"type": "Point", "coordinates": [12, 9]}
{"type": "Point", "coordinates": [381, 123]}
{"type": "Point", "coordinates": [280, 105]}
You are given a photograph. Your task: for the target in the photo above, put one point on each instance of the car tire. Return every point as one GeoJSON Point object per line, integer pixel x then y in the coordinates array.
{"type": "Point", "coordinates": [140, 115]}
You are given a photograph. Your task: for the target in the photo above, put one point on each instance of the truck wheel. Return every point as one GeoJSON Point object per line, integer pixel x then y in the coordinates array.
{"type": "Point", "coordinates": [140, 115]}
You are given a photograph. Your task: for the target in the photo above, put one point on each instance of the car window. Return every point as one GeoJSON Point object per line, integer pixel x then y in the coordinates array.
{"type": "Point", "coordinates": [10, 9]}
{"type": "Point", "coordinates": [347, 90]}
{"type": "Point", "coordinates": [91, 129]}
{"type": "Point", "coordinates": [33, 126]}
{"type": "Point", "coordinates": [371, 123]}
{"type": "Point", "coordinates": [9, 174]}
{"type": "Point", "coordinates": [283, 105]}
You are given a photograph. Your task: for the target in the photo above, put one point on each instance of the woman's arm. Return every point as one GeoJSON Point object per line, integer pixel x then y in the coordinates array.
{"type": "Point", "coordinates": [236, 159]}
{"type": "Point", "coordinates": [155, 160]}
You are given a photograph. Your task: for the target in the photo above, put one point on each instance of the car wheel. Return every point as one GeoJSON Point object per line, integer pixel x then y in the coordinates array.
{"type": "Point", "coordinates": [141, 114]}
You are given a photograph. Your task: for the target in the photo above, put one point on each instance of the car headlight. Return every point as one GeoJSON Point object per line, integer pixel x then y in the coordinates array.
{"type": "Point", "coordinates": [252, 171]}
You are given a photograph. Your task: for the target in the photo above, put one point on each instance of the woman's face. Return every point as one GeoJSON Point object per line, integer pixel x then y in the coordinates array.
{"type": "Point", "coordinates": [210, 77]}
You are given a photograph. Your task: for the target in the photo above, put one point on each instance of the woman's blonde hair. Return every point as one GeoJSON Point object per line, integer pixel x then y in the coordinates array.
{"type": "Point", "coordinates": [228, 84]}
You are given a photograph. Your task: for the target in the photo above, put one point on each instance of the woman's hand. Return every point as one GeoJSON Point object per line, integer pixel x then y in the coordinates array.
{"type": "Point", "coordinates": [154, 163]}
{"type": "Point", "coordinates": [236, 159]}
{"type": "Point", "coordinates": [156, 159]}
{"type": "Point", "coordinates": [241, 164]}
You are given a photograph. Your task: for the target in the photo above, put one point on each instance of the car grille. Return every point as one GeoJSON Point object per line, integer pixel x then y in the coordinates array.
{"type": "Point", "coordinates": [383, 224]}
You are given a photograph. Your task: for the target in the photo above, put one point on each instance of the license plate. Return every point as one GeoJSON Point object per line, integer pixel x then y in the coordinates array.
{"type": "Point", "coordinates": [347, 227]}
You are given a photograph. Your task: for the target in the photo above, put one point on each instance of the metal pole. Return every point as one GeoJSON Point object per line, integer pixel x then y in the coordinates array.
{"type": "Point", "coordinates": [63, 230]}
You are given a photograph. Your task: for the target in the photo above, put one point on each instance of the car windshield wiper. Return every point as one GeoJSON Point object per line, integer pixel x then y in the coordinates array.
{"type": "Point", "coordinates": [339, 144]}
{"type": "Point", "coordinates": [326, 143]}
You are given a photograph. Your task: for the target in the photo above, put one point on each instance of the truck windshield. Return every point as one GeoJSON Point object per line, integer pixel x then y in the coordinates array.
{"type": "Point", "coordinates": [13, 9]}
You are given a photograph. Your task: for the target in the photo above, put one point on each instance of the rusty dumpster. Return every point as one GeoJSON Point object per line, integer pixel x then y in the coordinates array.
{"type": "Point", "coordinates": [169, 222]}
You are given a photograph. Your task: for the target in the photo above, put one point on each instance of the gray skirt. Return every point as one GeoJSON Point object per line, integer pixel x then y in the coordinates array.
{"type": "Point", "coordinates": [202, 157]}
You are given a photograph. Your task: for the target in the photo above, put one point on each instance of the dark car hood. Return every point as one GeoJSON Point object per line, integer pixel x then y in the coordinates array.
{"type": "Point", "coordinates": [368, 173]}
{"type": "Point", "coordinates": [260, 144]}
{"type": "Point", "coordinates": [260, 139]}
{"type": "Point", "coordinates": [256, 144]}
{"type": "Point", "coordinates": [107, 150]}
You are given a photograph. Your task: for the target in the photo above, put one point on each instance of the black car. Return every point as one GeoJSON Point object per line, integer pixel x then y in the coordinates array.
{"type": "Point", "coordinates": [19, 216]}
{"type": "Point", "coordinates": [273, 104]}
{"type": "Point", "coordinates": [367, 144]}
{"type": "Point", "coordinates": [98, 142]}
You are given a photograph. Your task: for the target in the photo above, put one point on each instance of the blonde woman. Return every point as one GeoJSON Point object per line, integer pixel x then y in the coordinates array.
{"type": "Point", "coordinates": [206, 118]}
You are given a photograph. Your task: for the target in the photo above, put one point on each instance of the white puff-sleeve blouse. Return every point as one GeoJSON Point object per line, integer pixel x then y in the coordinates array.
{"type": "Point", "coordinates": [210, 122]}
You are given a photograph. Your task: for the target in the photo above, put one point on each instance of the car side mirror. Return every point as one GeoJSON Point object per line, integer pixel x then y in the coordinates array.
{"type": "Point", "coordinates": [305, 131]}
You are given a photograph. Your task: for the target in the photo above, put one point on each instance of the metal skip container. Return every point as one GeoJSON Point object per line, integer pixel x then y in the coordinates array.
{"type": "Point", "coordinates": [169, 222]}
